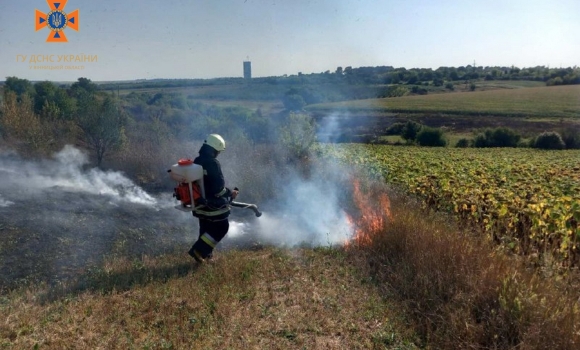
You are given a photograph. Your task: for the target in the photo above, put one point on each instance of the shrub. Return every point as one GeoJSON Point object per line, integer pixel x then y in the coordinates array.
{"type": "Point", "coordinates": [419, 90]}
{"type": "Point", "coordinates": [298, 135]}
{"type": "Point", "coordinates": [431, 137]}
{"type": "Point", "coordinates": [549, 140]}
{"type": "Point", "coordinates": [23, 129]}
{"type": "Point", "coordinates": [395, 129]}
{"type": "Point", "coordinates": [571, 138]}
{"type": "Point", "coordinates": [410, 130]}
{"type": "Point", "coordinates": [498, 137]}
{"type": "Point", "coordinates": [293, 102]}
{"type": "Point", "coordinates": [462, 143]}
{"type": "Point", "coordinates": [393, 91]}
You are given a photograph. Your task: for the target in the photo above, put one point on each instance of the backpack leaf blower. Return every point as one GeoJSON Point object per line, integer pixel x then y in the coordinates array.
{"type": "Point", "coordinates": [190, 190]}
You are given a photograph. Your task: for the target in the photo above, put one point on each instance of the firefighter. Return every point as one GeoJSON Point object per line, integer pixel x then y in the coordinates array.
{"type": "Point", "coordinates": [213, 214]}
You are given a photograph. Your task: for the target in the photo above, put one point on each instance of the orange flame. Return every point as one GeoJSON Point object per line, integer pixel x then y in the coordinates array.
{"type": "Point", "coordinates": [373, 215]}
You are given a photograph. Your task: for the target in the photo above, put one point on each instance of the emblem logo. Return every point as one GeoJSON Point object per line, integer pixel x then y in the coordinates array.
{"type": "Point", "coordinates": [57, 21]}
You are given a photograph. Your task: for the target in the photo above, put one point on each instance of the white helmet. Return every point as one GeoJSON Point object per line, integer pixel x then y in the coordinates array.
{"type": "Point", "coordinates": [216, 142]}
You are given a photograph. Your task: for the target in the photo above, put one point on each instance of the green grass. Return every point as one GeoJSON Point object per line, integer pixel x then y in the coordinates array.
{"type": "Point", "coordinates": [547, 102]}
{"type": "Point", "coordinates": [237, 92]}
{"type": "Point", "coordinates": [504, 84]}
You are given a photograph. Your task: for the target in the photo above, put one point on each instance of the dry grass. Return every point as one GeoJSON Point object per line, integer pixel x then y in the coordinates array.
{"type": "Point", "coordinates": [461, 293]}
{"type": "Point", "coordinates": [456, 292]}
{"type": "Point", "coordinates": [263, 299]}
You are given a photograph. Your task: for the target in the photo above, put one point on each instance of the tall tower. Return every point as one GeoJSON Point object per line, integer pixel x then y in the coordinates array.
{"type": "Point", "coordinates": [247, 70]}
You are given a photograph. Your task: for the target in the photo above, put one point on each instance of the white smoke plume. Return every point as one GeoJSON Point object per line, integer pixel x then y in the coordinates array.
{"type": "Point", "coordinates": [307, 209]}
{"type": "Point", "coordinates": [66, 216]}
{"type": "Point", "coordinates": [4, 203]}
{"type": "Point", "coordinates": [328, 130]}
{"type": "Point", "coordinates": [66, 172]}
{"type": "Point", "coordinates": [307, 214]}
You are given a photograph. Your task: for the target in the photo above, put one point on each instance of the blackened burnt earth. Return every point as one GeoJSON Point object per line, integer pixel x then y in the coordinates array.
{"type": "Point", "coordinates": [57, 235]}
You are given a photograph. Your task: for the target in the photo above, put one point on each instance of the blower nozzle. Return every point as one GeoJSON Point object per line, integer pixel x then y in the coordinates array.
{"type": "Point", "coordinates": [253, 207]}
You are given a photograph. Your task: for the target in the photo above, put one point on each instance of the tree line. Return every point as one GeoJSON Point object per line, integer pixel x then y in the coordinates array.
{"type": "Point", "coordinates": [380, 75]}
{"type": "Point", "coordinates": [422, 135]}
{"type": "Point", "coordinates": [143, 131]}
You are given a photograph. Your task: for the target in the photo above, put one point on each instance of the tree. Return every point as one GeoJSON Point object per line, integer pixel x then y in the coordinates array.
{"type": "Point", "coordinates": [65, 104]}
{"type": "Point", "coordinates": [431, 137]}
{"type": "Point", "coordinates": [462, 143]}
{"type": "Point", "coordinates": [498, 137]}
{"type": "Point", "coordinates": [18, 86]}
{"type": "Point", "coordinates": [22, 128]}
{"type": "Point", "coordinates": [571, 138]}
{"type": "Point", "coordinates": [82, 86]}
{"type": "Point", "coordinates": [298, 134]}
{"type": "Point", "coordinates": [412, 78]}
{"type": "Point", "coordinates": [45, 93]}
{"type": "Point", "coordinates": [392, 78]}
{"type": "Point", "coordinates": [410, 130]}
{"type": "Point", "coordinates": [102, 125]}
{"type": "Point", "coordinates": [438, 82]}
{"type": "Point", "coordinates": [293, 102]}
{"type": "Point", "coordinates": [454, 75]}
{"type": "Point", "coordinates": [395, 129]}
{"type": "Point", "coordinates": [419, 90]}
{"type": "Point", "coordinates": [549, 140]}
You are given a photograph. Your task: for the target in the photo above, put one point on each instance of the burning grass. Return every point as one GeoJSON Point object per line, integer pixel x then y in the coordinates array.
{"type": "Point", "coordinates": [459, 291]}
{"type": "Point", "coordinates": [455, 290]}
{"type": "Point", "coordinates": [372, 215]}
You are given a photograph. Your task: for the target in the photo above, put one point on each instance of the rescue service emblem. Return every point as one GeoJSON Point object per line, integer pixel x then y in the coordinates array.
{"type": "Point", "coordinates": [57, 21]}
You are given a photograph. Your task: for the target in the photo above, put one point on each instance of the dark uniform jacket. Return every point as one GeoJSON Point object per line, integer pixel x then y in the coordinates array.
{"type": "Point", "coordinates": [217, 196]}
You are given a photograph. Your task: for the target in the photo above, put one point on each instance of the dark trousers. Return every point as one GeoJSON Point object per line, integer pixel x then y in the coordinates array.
{"type": "Point", "coordinates": [210, 234]}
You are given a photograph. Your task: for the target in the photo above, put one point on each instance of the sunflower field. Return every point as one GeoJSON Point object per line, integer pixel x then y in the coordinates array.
{"type": "Point", "coordinates": [525, 199]}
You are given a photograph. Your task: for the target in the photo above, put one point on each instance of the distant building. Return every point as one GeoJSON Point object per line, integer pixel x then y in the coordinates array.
{"type": "Point", "coordinates": [247, 70]}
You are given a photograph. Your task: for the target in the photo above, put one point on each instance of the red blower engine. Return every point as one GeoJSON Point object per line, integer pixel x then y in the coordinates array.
{"type": "Point", "coordinates": [190, 191]}
{"type": "Point", "coordinates": [190, 188]}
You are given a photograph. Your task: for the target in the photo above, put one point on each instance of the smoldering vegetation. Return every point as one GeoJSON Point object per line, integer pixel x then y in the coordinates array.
{"type": "Point", "coordinates": [62, 217]}
{"type": "Point", "coordinates": [69, 203]}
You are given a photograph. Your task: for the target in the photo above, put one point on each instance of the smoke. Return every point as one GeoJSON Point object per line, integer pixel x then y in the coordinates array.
{"type": "Point", "coordinates": [307, 212]}
{"type": "Point", "coordinates": [59, 216]}
{"type": "Point", "coordinates": [65, 171]}
{"type": "Point", "coordinates": [329, 130]}
{"type": "Point", "coordinates": [307, 205]}
{"type": "Point", "coordinates": [4, 203]}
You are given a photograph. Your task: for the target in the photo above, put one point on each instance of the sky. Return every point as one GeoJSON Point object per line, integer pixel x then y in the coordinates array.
{"type": "Point", "coordinates": [203, 39]}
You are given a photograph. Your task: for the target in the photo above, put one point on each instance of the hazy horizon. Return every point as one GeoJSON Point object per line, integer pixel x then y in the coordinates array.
{"type": "Point", "coordinates": [206, 40]}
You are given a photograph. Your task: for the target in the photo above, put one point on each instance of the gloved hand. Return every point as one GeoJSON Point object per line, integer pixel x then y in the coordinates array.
{"type": "Point", "coordinates": [235, 193]}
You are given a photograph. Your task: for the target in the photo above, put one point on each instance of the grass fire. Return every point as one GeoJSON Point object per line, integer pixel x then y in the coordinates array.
{"type": "Point", "coordinates": [374, 245]}
{"type": "Point", "coordinates": [374, 212]}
